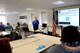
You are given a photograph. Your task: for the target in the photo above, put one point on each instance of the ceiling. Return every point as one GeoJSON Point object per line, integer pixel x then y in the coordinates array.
{"type": "Point", "coordinates": [21, 5]}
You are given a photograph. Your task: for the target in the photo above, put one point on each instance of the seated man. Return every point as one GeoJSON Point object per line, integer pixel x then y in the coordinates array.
{"type": "Point", "coordinates": [9, 27]}
{"type": "Point", "coordinates": [2, 27]}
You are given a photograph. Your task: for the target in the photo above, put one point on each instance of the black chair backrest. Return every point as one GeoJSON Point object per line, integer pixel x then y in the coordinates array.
{"type": "Point", "coordinates": [44, 25]}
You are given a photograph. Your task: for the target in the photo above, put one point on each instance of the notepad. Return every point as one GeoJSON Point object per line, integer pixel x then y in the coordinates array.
{"type": "Point", "coordinates": [32, 36]}
{"type": "Point", "coordinates": [40, 47]}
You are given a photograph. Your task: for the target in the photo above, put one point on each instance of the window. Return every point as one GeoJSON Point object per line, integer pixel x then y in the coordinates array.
{"type": "Point", "coordinates": [43, 17]}
{"type": "Point", "coordinates": [3, 19]}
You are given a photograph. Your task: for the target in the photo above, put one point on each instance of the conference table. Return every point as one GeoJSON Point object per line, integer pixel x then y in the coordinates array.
{"type": "Point", "coordinates": [30, 44]}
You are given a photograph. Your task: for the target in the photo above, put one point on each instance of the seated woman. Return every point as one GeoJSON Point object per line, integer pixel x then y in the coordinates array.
{"type": "Point", "coordinates": [8, 27]}
{"type": "Point", "coordinates": [70, 41]}
{"type": "Point", "coordinates": [5, 45]}
{"type": "Point", "coordinates": [25, 29]}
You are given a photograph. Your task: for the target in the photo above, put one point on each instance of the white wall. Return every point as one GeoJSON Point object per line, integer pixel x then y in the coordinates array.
{"type": "Point", "coordinates": [44, 17]}
{"type": "Point", "coordinates": [3, 19]}
{"type": "Point", "coordinates": [37, 13]}
{"type": "Point", "coordinates": [50, 20]}
{"type": "Point", "coordinates": [28, 14]}
{"type": "Point", "coordinates": [12, 19]}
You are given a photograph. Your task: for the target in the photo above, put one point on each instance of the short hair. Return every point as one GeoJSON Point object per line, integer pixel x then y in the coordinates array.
{"type": "Point", "coordinates": [8, 23]}
{"type": "Point", "coordinates": [70, 34]}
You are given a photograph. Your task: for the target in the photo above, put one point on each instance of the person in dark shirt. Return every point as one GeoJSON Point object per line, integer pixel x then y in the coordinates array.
{"type": "Point", "coordinates": [70, 41]}
{"type": "Point", "coordinates": [35, 24]}
{"type": "Point", "coordinates": [2, 27]}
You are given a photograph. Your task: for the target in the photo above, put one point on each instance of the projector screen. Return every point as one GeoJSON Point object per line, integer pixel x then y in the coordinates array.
{"type": "Point", "coordinates": [68, 17]}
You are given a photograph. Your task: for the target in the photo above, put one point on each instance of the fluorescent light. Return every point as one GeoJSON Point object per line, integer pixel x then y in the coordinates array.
{"type": "Point", "coordinates": [58, 2]}
{"type": "Point", "coordinates": [29, 9]}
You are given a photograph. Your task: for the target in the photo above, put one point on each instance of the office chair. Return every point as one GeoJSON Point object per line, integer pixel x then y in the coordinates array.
{"type": "Point", "coordinates": [44, 28]}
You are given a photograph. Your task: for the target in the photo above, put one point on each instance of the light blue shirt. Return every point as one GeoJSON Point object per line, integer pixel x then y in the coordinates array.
{"type": "Point", "coordinates": [9, 27]}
